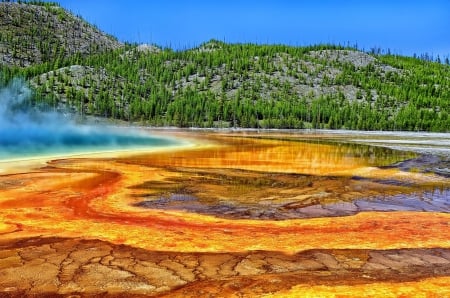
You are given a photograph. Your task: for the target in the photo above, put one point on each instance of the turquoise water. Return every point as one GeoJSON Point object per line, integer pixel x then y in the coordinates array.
{"type": "Point", "coordinates": [72, 139]}
{"type": "Point", "coordinates": [27, 130]}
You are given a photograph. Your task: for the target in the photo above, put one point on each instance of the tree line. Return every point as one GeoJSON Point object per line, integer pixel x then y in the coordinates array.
{"type": "Point", "coordinates": [248, 85]}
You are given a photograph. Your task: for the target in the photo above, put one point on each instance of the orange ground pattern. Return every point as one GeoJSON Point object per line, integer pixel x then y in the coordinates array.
{"type": "Point", "coordinates": [76, 226]}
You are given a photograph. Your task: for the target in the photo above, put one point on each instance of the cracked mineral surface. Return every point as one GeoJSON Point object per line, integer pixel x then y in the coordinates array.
{"type": "Point", "coordinates": [238, 215]}
{"type": "Point", "coordinates": [78, 266]}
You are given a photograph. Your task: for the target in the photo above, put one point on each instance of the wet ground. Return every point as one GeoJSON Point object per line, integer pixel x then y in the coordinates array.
{"type": "Point", "coordinates": [242, 194]}
{"type": "Point", "coordinates": [242, 214]}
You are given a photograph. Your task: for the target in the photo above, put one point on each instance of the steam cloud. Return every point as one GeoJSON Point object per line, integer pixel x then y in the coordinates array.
{"type": "Point", "coordinates": [26, 131]}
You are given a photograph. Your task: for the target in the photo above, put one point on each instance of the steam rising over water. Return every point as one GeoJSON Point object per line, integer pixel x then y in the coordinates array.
{"type": "Point", "coordinates": [26, 132]}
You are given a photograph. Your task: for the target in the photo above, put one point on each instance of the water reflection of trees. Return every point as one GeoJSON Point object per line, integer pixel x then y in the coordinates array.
{"type": "Point", "coordinates": [374, 155]}
{"type": "Point", "coordinates": [314, 157]}
{"type": "Point", "coordinates": [331, 153]}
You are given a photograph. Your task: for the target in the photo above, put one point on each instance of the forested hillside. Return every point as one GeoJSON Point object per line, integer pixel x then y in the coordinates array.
{"type": "Point", "coordinates": [36, 32]}
{"type": "Point", "coordinates": [234, 85]}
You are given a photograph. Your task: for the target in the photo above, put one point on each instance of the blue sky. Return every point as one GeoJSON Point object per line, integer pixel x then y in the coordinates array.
{"type": "Point", "coordinates": [405, 27]}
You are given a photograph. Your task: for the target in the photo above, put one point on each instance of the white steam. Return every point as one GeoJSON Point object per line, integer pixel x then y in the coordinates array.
{"type": "Point", "coordinates": [26, 131]}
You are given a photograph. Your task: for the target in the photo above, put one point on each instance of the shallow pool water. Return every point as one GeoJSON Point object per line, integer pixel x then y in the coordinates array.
{"type": "Point", "coordinates": [80, 139]}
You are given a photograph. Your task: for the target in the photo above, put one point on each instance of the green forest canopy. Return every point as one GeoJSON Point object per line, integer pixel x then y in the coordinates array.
{"type": "Point", "coordinates": [242, 85]}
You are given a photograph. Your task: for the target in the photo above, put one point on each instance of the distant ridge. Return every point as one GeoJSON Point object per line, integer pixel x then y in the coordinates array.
{"type": "Point", "coordinates": [70, 64]}
{"type": "Point", "coordinates": [36, 32]}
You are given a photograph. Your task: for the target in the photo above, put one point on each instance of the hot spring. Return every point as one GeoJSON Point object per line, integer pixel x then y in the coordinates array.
{"type": "Point", "coordinates": [273, 209]}
{"type": "Point", "coordinates": [26, 132]}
